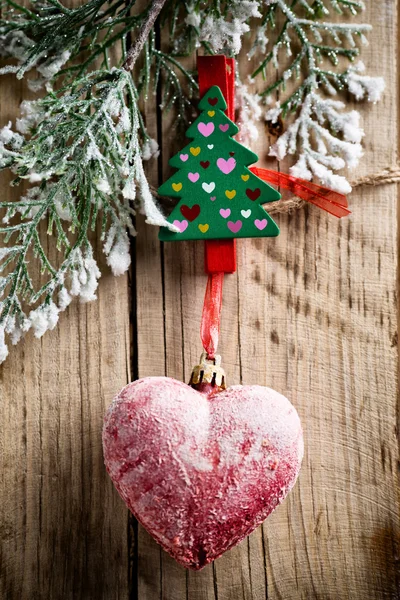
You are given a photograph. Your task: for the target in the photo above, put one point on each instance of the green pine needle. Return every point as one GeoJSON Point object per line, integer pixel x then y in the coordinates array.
{"type": "Point", "coordinates": [81, 146]}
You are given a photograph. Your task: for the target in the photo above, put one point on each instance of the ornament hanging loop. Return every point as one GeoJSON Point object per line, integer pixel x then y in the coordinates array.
{"type": "Point", "coordinates": [211, 317]}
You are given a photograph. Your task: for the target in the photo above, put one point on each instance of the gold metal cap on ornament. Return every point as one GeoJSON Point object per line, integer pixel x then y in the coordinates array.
{"type": "Point", "coordinates": [208, 371]}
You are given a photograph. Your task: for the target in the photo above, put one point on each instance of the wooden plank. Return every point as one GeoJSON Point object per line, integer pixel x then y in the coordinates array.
{"type": "Point", "coordinates": [320, 328]}
{"type": "Point", "coordinates": [63, 528]}
{"type": "Point", "coordinates": [150, 341]}
{"type": "Point", "coordinates": [312, 314]}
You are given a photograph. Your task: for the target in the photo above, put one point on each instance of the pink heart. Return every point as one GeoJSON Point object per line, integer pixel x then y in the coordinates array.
{"type": "Point", "coordinates": [181, 225]}
{"type": "Point", "coordinates": [235, 227]}
{"type": "Point", "coordinates": [226, 166]}
{"type": "Point", "coordinates": [224, 128]}
{"type": "Point", "coordinates": [261, 224]}
{"type": "Point", "coordinates": [184, 157]}
{"type": "Point", "coordinates": [225, 212]}
{"type": "Point", "coordinates": [206, 129]}
{"type": "Point", "coordinates": [212, 198]}
{"type": "Point", "coordinates": [194, 177]}
{"type": "Point", "coordinates": [201, 472]}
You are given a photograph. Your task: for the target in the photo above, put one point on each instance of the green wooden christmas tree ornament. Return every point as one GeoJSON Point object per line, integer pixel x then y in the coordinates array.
{"type": "Point", "coordinates": [219, 196]}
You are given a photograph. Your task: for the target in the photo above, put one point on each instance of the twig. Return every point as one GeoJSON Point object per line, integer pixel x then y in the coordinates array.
{"type": "Point", "coordinates": [143, 34]}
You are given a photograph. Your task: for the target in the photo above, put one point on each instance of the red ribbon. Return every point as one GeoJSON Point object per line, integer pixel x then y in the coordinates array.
{"type": "Point", "coordinates": [219, 70]}
{"type": "Point", "coordinates": [211, 317]}
{"type": "Point", "coordinates": [325, 198]}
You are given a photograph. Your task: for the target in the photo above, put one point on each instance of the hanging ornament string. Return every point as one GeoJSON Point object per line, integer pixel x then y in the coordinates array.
{"type": "Point", "coordinates": [211, 317]}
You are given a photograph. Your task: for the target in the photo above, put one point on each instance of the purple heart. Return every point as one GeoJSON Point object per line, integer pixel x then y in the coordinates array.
{"type": "Point", "coordinates": [224, 128]}
{"type": "Point", "coordinates": [181, 225]}
{"type": "Point", "coordinates": [184, 157]}
{"type": "Point", "coordinates": [225, 212]}
{"type": "Point", "coordinates": [212, 198]}
{"type": "Point", "coordinates": [226, 166]}
{"type": "Point", "coordinates": [193, 177]}
{"type": "Point", "coordinates": [206, 129]}
{"type": "Point", "coordinates": [234, 227]}
{"type": "Point", "coordinates": [260, 224]}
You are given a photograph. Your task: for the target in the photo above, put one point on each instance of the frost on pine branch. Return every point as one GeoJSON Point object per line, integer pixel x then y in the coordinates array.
{"type": "Point", "coordinates": [322, 136]}
{"type": "Point", "coordinates": [85, 163]}
{"type": "Point", "coordinates": [297, 39]}
{"type": "Point", "coordinates": [81, 146]}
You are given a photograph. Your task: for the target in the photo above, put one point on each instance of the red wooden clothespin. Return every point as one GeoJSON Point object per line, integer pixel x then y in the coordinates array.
{"type": "Point", "coordinates": [219, 255]}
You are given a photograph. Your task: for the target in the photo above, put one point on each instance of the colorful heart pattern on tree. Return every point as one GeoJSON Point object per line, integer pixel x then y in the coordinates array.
{"type": "Point", "coordinates": [219, 196]}
{"type": "Point", "coordinates": [190, 213]}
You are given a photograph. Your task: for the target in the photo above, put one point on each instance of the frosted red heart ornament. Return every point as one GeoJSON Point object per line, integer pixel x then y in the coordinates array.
{"type": "Point", "coordinates": [201, 472]}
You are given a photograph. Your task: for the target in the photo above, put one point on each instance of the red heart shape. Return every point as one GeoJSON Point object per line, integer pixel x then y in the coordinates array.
{"type": "Point", "coordinates": [205, 164]}
{"type": "Point", "coordinates": [253, 194]}
{"type": "Point", "coordinates": [201, 473]}
{"type": "Point", "coordinates": [212, 101]}
{"type": "Point", "coordinates": [231, 154]}
{"type": "Point", "coordinates": [190, 213]}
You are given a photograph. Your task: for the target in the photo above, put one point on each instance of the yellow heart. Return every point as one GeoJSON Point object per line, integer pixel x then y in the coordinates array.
{"type": "Point", "coordinates": [195, 151]}
{"type": "Point", "coordinates": [230, 194]}
{"type": "Point", "coordinates": [177, 187]}
{"type": "Point", "coordinates": [211, 113]}
{"type": "Point", "coordinates": [204, 228]}
{"type": "Point", "coordinates": [245, 177]}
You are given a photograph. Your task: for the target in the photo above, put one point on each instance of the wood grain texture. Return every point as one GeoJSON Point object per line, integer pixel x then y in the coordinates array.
{"type": "Point", "coordinates": [333, 354]}
{"type": "Point", "coordinates": [63, 532]}
{"type": "Point", "coordinates": [311, 314]}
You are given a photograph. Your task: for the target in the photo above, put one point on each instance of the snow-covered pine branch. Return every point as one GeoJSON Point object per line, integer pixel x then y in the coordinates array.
{"type": "Point", "coordinates": [82, 145]}
{"type": "Point", "coordinates": [88, 173]}
{"type": "Point", "coordinates": [322, 136]}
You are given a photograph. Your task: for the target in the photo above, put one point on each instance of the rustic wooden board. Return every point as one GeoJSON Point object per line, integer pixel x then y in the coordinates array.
{"type": "Point", "coordinates": [311, 314]}
{"type": "Point", "coordinates": [63, 532]}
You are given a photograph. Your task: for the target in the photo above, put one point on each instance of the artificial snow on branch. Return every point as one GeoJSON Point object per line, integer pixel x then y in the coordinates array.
{"type": "Point", "coordinates": [322, 135]}
{"type": "Point", "coordinates": [86, 171]}
{"type": "Point", "coordinates": [81, 146]}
